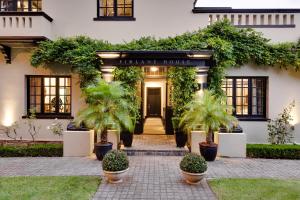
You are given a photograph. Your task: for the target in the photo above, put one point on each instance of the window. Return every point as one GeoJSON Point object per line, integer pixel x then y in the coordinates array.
{"type": "Point", "coordinates": [247, 95]}
{"type": "Point", "coordinates": [115, 9]}
{"type": "Point", "coordinates": [21, 5]}
{"type": "Point", "coordinates": [49, 95]}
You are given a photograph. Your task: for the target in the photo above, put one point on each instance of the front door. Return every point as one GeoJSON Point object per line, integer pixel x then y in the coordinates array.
{"type": "Point", "coordinates": [154, 102]}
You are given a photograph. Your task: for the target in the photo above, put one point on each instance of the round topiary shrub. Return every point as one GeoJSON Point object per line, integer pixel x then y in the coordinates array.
{"type": "Point", "coordinates": [193, 163]}
{"type": "Point", "coordinates": [115, 161]}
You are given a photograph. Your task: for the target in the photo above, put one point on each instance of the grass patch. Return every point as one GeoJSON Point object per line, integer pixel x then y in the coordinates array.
{"type": "Point", "coordinates": [250, 189]}
{"type": "Point", "coordinates": [48, 188]}
{"type": "Point", "coordinates": [273, 151]}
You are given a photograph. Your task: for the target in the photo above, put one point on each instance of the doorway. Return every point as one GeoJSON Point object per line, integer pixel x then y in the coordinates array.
{"type": "Point", "coordinates": [153, 102]}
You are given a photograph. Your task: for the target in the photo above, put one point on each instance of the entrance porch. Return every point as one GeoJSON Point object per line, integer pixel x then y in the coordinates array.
{"type": "Point", "coordinates": [155, 125]}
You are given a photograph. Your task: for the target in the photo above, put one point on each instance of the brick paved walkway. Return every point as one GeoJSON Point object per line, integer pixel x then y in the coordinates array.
{"type": "Point", "coordinates": [151, 177]}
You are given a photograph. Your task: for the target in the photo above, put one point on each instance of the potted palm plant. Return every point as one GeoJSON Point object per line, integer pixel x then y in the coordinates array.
{"type": "Point", "coordinates": [210, 113]}
{"type": "Point", "coordinates": [107, 109]}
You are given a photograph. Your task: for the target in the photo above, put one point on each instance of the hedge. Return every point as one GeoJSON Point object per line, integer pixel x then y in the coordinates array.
{"type": "Point", "coordinates": [273, 151]}
{"type": "Point", "coordinates": [38, 150]}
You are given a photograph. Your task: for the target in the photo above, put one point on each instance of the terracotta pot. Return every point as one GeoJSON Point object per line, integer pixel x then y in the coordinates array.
{"type": "Point", "coordinates": [115, 177]}
{"type": "Point", "coordinates": [193, 178]}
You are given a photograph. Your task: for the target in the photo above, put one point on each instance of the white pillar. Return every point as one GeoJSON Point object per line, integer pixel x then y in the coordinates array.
{"type": "Point", "coordinates": [201, 78]}
{"type": "Point", "coordinates": [107, 73]}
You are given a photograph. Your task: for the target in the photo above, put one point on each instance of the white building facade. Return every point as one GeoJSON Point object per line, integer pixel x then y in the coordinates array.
{"type": "Point", "coordinates": [25, 22]}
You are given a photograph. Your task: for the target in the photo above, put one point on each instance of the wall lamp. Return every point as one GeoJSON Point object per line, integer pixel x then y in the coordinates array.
{"type": "Point", "coordinates": [109, 55]}
{"type": "Point", "coordinates": [197, 55]}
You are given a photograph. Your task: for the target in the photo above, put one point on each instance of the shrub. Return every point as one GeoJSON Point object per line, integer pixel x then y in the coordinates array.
{"type": "Point", "coordinates": [115, 161]}
{"type": "Point", "coordinates": [39, 150]}
{"type": "Point", "coordinates": [273, 151]}
{"type": "Point", "coordinates": [193, 163]}
{"type": "Point", "coordinates": [280, 129]}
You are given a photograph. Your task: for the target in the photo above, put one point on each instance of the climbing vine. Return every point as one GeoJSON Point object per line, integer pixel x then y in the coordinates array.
{"type": "Point", "coordinates": [232, 47]}
{"type": "Point", "coordinates": [130, 78]}
{"type": "Point", "coordinates": [183, 88]}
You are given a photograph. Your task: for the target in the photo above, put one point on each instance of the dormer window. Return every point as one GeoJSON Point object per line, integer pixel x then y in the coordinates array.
{"type": "Point", "coordinates": [20, 5]}
{"type": "Point", "coordinates": [115, 10]}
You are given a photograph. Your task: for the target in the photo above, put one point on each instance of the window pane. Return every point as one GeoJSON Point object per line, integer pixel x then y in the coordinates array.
{"type": "Point", "coordinates": [238, 95]}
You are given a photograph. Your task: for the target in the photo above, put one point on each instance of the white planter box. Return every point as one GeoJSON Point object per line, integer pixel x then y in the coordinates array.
{"type": "Point", "coordinates": [196, 138]}
{"type": "Point", "coordinates": [114, 137]}
{"type": "Point", "coordinates": [231, 144]}
{"type": "Point", "coordinates": [78, 143]}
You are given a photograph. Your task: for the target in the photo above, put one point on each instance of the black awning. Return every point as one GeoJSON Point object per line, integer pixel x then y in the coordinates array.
{"type": "Point", "coordinates": [159, 58]}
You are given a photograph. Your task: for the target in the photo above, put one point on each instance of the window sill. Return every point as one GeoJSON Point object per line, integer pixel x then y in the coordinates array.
{"type": "Point", "coordinates": [50, 116]}
{"type": "Point", "coordinates": [253, 119]}
{"type": "Point", "coordinates": [114, 19]}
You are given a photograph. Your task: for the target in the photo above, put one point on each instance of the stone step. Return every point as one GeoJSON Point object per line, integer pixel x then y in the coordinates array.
{"type": "Point", "coordinates": [140, 152]}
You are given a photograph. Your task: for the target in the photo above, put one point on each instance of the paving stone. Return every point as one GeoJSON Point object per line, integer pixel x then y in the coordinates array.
{"type": "Point", "coordinates": [152, 177]}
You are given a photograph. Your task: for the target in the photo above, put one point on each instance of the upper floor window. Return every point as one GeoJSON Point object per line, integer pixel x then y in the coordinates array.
{"type": "Point", "coordinates": [247, 95]}
{"type": "Point", "coordinates": [21, 5]}
{"type": "Point", "coordinates": [49, 95]}
{"type": "Point", "coordinates": [115, 9]}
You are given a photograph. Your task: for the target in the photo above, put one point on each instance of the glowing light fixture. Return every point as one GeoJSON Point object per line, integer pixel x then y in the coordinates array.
{"type": "Point", "coordinates": [154, 69]}
{"type": "Point", "coordinates": [8, 120]}
{"type": "Point", "coordinates": [204, 56]}
{"type": "Point", "coordinates": [109, 55]}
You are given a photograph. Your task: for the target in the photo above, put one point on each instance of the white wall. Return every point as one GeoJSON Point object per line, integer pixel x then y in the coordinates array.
{"type": "Point", "coordinates": [158, 18]}
{"type": "Point", "coordinates": [13, 91]}
{"type": "Point", "coordinates": [283, 88]}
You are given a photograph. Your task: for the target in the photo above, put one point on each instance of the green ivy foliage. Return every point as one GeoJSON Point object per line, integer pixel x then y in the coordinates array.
{"type": "Point", "coordinates": [184, 86]}
{"type": "Point", "coordinates": [130, 78]}
{"type": "Point", "coordinates": [233, 47]}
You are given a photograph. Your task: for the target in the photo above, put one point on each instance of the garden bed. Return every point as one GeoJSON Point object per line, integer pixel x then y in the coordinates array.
{"type": "Point", "coordinates": [30, 149]}
{"type": "Point", "coordinates": [273, 151]}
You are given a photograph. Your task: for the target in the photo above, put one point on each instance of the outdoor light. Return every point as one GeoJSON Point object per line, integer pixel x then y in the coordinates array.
{"type": "Point", "coordinates": [108, 55]}
{"type": "Point", "coordinates": [154, 69]}
{"type": "Point", "coordinates": [204, 56]}
{"type": "Point", "coordinates": [8, 121]}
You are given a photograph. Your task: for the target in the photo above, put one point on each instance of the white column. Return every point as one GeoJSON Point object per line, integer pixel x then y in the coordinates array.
{"type": "Point", "coordinates": [201, 78]}
{"type": "Point", "coordinates": [107, 73]}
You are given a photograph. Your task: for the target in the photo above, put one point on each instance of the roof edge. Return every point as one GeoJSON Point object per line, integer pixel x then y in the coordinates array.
{"type": "Point", "coordinates": [244, 10]}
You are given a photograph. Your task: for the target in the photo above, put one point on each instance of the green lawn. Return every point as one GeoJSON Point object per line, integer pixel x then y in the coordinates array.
{"type": "Point", "coordinates": [254, 189]}
{"type": "Point", "coordinates": [48, 188]}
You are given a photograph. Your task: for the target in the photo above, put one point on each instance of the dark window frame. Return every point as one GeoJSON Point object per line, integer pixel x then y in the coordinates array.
{"type": "Point", "coordinates": [116, 17]}
{"type": "Point", "coordinates": [42, 114]}
{"type": "Point", "coordinates": [250, 116]}
{"type": "Point", "coordinates": [14, 7]}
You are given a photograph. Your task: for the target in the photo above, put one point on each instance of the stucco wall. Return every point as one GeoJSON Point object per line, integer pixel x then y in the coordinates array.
{"type": "Point", "coordinates": [158, 18]}
{"type": "Point", "coordinates": [13, 92]}
{"type": "Point", "coordinates": [283, 88]}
